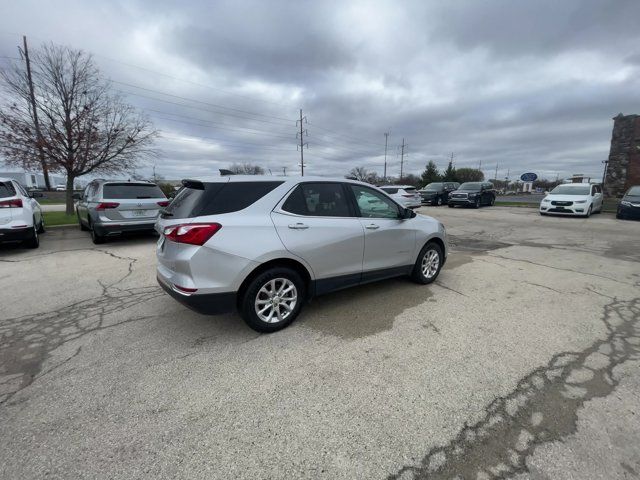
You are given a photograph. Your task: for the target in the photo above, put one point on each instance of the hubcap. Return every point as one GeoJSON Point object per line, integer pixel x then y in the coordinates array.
{"type": "Point", "coordinates": [276, 300]}
{"type": "Point", "coordinates": [430, 263]}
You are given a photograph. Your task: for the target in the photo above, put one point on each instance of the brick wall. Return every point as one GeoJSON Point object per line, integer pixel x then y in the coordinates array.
{"type": "Point", "coordinates": [624, 156]}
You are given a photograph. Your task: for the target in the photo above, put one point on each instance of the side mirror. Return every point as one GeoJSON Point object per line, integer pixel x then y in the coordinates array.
{"type": "Point", "coordinates": [407, 213]}
{"type": "Point", "coordinates": [35, 194]}
{"type": "Point", "coordinates": [77, 196]}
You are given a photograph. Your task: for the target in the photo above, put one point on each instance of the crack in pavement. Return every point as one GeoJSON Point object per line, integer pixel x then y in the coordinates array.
{"type": "Point", "coordinates": [27, 341]}
{"type": "Point", "coordinates": [542, 408]}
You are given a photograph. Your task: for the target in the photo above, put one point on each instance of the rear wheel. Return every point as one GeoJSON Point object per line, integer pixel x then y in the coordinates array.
{"type": "Point", "coordinates": [273, 300]}
{"type": "Point", "coordinates": [428, 264]}
{"type": "Point", "coordinates": [96, 238]}
{"type": "Point", "coordinates": [439, 202]}
{"type": "Point", "coordinates": [492, 202]}
{"type": "Point", "coordinates": [34, 241]}
{"type": "Point", "coordinates": [41, 229]}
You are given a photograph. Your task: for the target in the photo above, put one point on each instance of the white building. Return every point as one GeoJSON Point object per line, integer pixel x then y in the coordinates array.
{"type": "Point", "coordinates": [35, 180]}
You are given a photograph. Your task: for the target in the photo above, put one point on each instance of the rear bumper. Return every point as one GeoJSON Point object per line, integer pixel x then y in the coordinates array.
{"type": "Point", "coordinates": [208, 303]}
{"type": "Point", "coordinates": [116, 228]}
{"type": "Point", "coordinates": [15, 234]}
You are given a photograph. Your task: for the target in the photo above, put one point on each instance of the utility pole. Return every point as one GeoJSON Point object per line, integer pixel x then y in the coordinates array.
{"type": "Point", "coordinates": [496, 175]}
{"type": "Point", "coordinates": [386, 139]}
{"type": "Point", "coordinates": [284, 171]}
{"type": "Point", "coordinates": [32, 97]}
{"type": "Point", "coordinates": [480, 166]}
{"type": "Point", "coordinates": [402, 159]}
{"type": "Point", "coordinates": [604, 173]}
{"type": "Point", "coordinates": [302, 133]}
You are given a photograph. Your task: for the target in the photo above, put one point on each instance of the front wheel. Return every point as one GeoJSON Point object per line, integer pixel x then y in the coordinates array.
{"type": "Point", "coordinates": [41, 229]}
{"type": "Point", "coordinates": [477, 204]}
{"type": "Point", "coordinates": [451, 205]}
{"type": "Point", "coordinates": [273, 300]}
{"type": "Point", "coordinates": [82, 226]}
{"type": "Point", "coordinates": [588, 214]}
{"type": "Point", "coordinates": [428, 264]}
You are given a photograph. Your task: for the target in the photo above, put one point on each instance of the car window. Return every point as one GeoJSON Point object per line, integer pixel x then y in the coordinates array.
{"type": "Point", "coordinates": [318, 200]}
{"type": "Point", "coordinates": [374, 204]}
{"type": "Point", "coordinates": [21, 189]}
{"type": "Point", "coordinates": [7, 190]}
{"type": "Point", "coordinates": [216, 198]}
{"type": "Point", "coordinates": [122, 191]}
{"type": "Point", "coordinates": [410, 189]}
{"type": "Point", "coordinates": [91, 191]}
{"type": "Point", "coordinates": [390, 190]}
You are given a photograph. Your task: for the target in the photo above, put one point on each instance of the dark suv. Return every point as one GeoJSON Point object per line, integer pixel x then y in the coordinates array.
{"type": "Point", "coordinates": [473, 194]}
{"type": "Point", "coordinates": [437, 193]}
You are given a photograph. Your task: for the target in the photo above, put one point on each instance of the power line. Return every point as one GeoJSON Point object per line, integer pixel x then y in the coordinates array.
{"type": "Point", "coordinates": [222, 142]}
{"type": "Point", "coordinates": [345, 135]}
{"type": "Point", "coordinates": [214, 105]}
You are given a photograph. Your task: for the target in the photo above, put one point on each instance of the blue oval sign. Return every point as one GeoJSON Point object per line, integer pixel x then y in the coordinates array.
{"type": "Point", "coordinates": [528, 177]}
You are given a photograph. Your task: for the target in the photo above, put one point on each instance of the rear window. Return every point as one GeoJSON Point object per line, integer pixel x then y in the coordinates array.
{"type": "Point", "coordinates": [7, 190]}
{"type": "Point", "coordinates": [389, 190]}
{"type": "Point", "coordinates": [217, 198]}
{"type": "Point", "coordinates": [122, 191]}
{"type": "Point", "coordinates": [410, 189]}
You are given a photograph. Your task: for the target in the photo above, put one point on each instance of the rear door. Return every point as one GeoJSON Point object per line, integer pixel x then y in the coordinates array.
{"type": "Point", "coordinates": [135, 201]}
{"type": "Point", "coordinates": [389, 241]}
{"type": "Point", "coordinates": [316, 222]}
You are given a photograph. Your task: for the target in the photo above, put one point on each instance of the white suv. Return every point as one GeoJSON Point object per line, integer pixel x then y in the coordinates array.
{"type": "Point", "coordinates": [406, 195]}
{"type": "Point", "coordinates": [20, 215]}
{"type": "Point", "coordinates": [581, 199]}
{"type": "Point", "coordinates": [266, 245]}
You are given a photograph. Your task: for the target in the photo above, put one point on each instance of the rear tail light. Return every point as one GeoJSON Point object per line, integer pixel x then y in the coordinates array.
{"type": "Point", "coordinates": [191, 233]}
{"type": "Point", "coordinates": [164, 203]}
{"type": "Point", "coordinates": [14, 203]}
{"type": "Point", "coordinates": [107, 205]}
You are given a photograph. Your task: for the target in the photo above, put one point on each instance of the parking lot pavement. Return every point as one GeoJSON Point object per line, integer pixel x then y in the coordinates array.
{"type": "Point", "coordinates": [520, 361]}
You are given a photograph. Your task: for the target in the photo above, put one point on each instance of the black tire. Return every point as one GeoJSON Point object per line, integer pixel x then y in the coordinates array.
{"type": "Point", "coordinates": [543, 214]}
{"type": "Point", "coordinates": [451, 205]}
{"type": "Point", "coordinates": [619, 216]}
{"type": "Point", "coordinates": [96, 238]}
{"type": "Point", "coordinates": [492, 202]}
{"type": "Point", "coordinates": [251, 293]}
{"type": "Point", "coordinates": [82, 225]}
{"type": "Point", "coordinates": [41, 228]}
{"type": "Point", "coordinates": [439, 202]}
{"type": "Point", "coordinates": [477, 204]}
{"type": "Point", "coordinates": [588, 214]}
{"type": "Point", "coordinates": [418, 275]}
{"type": "Point", "coordinates": [34, 241]}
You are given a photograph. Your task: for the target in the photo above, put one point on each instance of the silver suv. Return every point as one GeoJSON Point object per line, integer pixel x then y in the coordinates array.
{"type": "Point", "coordinates": [265, 245]}
{"type": "Point", "coordinates": [111, 207]}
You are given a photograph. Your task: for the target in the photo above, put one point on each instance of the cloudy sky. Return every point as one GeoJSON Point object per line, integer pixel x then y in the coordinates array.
{"type": "Point", "coordinates": [527, 86]}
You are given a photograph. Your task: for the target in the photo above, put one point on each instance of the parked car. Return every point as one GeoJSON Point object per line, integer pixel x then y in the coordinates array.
{"type": "Point", "coordinates": [21, 218]}
{"type": "Point", "coordinates": [629, 206]}
{"type": "Point", "coordinates": [265, 246]}
{"type": "Point", "coordinates": [112, 207]}
{"type": "Point", "coordinates": [405, 195]}
{"type": "Point", "coordinates": [61, 187]}
{"type": "Point", "coordinates": [437, 193]}
{"type": "Point", "coordinates": [581, 199]}
{"type": "Point", "coordinates": [473, 194]}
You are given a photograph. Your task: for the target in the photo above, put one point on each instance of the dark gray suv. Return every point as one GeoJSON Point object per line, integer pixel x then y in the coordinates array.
{"type": "Point", "coordinates": [112, 207]}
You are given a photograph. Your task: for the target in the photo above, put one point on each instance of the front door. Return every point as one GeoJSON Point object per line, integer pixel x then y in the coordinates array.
{"type": "Point", "coordinates": [389, 240]}
{"type": "Point", "coordinates": [317, 223]}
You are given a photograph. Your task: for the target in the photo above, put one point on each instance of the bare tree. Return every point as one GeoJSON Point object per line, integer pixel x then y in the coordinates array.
{"type": "Point", "coordinates": [359, 173]}
{"type": "Point", "coordinates": [85, 128]}
{"type": "Point", "coordinates": [246, 169]}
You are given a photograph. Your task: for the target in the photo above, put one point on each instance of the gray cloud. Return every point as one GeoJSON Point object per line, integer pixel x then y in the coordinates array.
{"type": "Point", "coordinates": [525, 85]}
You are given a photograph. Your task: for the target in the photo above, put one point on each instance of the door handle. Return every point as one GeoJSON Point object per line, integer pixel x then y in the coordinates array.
{"type": "Point", "coordinates": [298, 226]}
{"type": "Point", "coordinates": [372, 226]}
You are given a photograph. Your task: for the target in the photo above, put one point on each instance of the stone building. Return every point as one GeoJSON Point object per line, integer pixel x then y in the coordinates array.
{"type": "Point", "coordinates": [623, 169]}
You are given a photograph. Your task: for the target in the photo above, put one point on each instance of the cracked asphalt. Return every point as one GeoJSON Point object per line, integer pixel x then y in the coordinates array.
{"type": "Point", "coordinates": [521, 361]}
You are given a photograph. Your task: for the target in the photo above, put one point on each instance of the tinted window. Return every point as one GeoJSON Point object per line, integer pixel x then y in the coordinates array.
{"type": "Point", "coordinates": [434, 187]}
{"type": "Point", "coordinates": [634, 191]}
{"type": "Point", "coordinates": [471, 186]}
{"type": "Point", "coordinates": [410, 189]}
{"type": "Point", "coordinates": [131, 190]}
{"type": "Point", "coordinates": [373, 204]}
{"type": "Point", "coordinates": [217, 198]}
{"type": "Point", "coordinates": [571, 189]}
{"type": "Point", "coordinates": [318, 200]}
{"type": "Point", "coordinates": [390, 190]}
{"type": "Point", "coordinates": [7, 190]}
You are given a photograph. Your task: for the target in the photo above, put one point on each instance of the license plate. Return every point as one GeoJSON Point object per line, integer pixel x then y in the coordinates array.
{"type": "Point", "coordinates": [139, 213]}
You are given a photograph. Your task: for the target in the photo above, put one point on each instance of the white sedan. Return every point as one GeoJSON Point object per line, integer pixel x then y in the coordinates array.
{"type": "Point", "coordinates": [579, 199]}
{"type": "Point", "coordinates": [406, 195]}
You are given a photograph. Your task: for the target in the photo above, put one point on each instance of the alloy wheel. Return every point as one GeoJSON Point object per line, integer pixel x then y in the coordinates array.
{"type": "Point", "coordinates": [430, 263]}
{"type": "Point", "coordinates": [276, 300]}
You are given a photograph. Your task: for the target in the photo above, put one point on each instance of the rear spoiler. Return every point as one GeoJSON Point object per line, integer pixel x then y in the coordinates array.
{"type": "Point", "coordinates": [194, 184]}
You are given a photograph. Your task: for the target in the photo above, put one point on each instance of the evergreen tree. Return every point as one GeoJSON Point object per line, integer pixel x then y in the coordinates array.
{"type": "Point", "coordinates": [430, 174]}
{"type": "Point", "coordinates": [449, 174]}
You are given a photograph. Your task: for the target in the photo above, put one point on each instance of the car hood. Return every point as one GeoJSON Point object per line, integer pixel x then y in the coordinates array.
{"type": "Point", "coordinates": [631, 198]}
{"type": "Point", "coordinates": [567, 198]}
